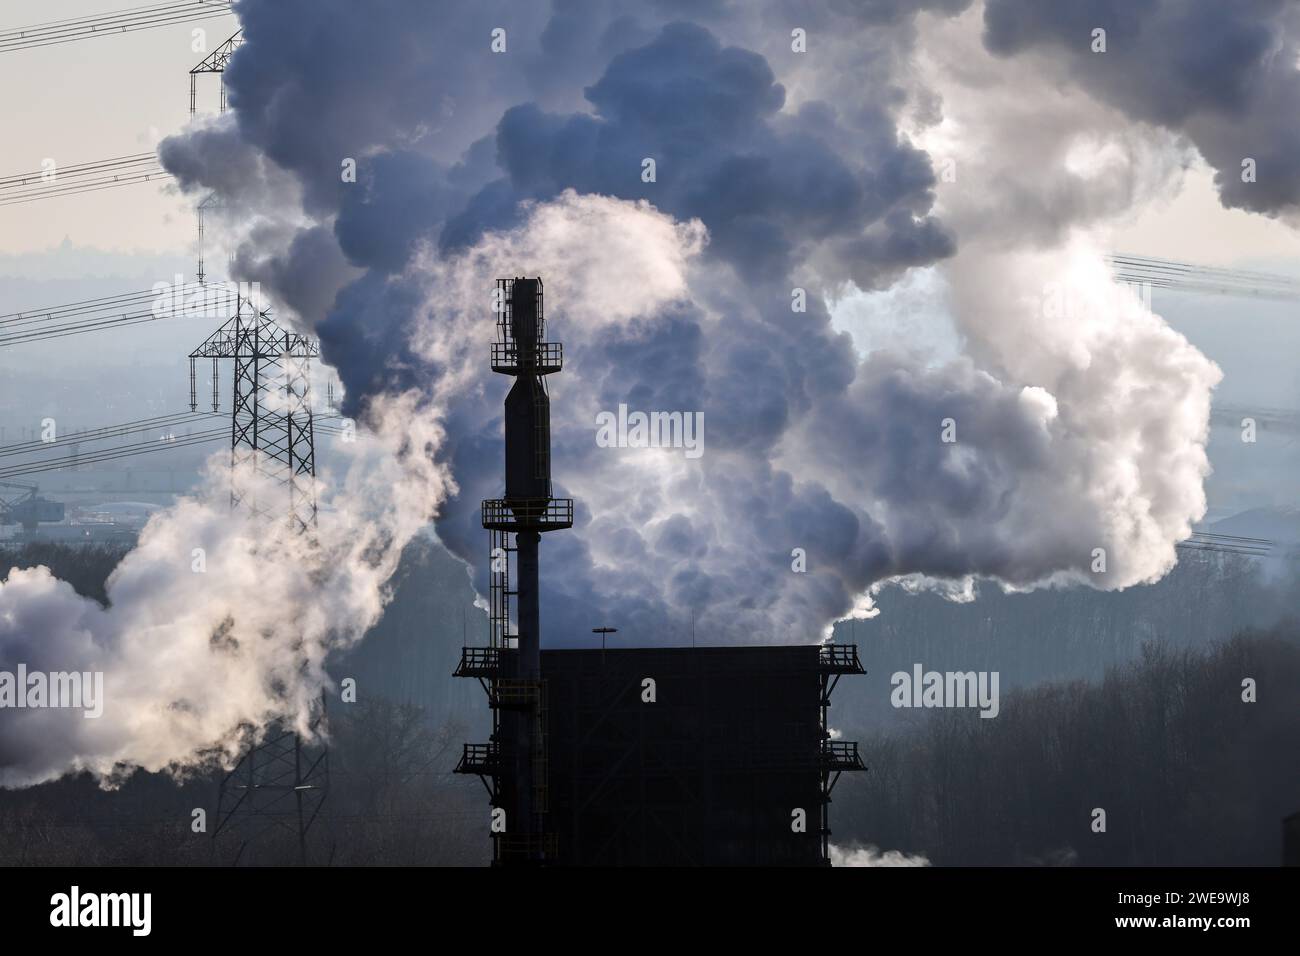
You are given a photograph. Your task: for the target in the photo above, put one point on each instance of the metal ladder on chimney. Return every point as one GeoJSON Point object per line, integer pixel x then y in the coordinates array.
{"type": "Point", "coordinates": [499, 592]}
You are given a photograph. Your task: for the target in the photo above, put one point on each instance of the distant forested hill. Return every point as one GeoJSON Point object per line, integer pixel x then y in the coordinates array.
{"type": "Point", "coordinates": [1057, 634]}
{"type": "Point", "coordinates": [1187, 773]}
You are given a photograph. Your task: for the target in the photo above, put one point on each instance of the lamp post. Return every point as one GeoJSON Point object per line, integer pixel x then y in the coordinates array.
{"type": "Point", "coordinates": [602, 631]}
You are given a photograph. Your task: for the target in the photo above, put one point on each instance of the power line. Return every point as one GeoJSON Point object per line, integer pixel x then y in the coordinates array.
{"type": "Point", "coordinates": [109, 15]}
{"type": "Point", "coordinates": [78, 169]}
{"type": "Point", "coordinates": [80, 178]}
{"type": "Point", "coordinates": [1227, 543]}
{"type": "Point", "coordinates": [1189, 277]}
{"type": "Point", "coordinates": [36, 194]}
{"type": "Point", "coordinates": [108, 431]}
{"type": "Point", "coordinates": [131, 19]}
{"type": "Point", "coordinates": [29, 315]}
{"type": "Point", "coordinates": [112, 454]}
{"type": "Point", "coordinates": [94, 456]}
{"type": "Point", "coordinates": [115, 311]}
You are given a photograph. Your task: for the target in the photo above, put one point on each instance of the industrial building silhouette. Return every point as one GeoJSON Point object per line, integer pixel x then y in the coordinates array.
{"type": "Point", "coordinates": [644, 756]}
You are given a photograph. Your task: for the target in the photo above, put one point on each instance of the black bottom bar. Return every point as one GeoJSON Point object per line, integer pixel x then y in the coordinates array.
{"type": "Point", "coordinates": [980, 907]}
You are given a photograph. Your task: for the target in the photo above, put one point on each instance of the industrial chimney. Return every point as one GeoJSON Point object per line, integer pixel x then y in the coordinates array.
{"type": "Point", "coordinates": [515, 760]}
{"type": "Point", "coordinates": [584, 769]}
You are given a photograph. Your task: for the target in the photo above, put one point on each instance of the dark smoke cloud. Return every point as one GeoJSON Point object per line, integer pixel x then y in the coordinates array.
{"type": "Point", "coordinates": [764, 187]}
{"type": "Point", "coordinates": [1223, 74]}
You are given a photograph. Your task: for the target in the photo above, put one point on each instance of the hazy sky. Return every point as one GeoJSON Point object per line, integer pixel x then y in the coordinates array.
{"type": "Point", "coordinates": [95, 99]}
{"type": "Point", "coordinates": [117, 95]}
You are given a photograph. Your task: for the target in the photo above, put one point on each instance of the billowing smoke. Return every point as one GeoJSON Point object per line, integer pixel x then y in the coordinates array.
{"type": "Point", "coordinates": [1089, 475]}
{"type": "Point", "coordinates": [1064, 444]}
{"type": "Point", "coordinates": [218, 622]}
{"type": "Point", "coordinates": [1225, 75]}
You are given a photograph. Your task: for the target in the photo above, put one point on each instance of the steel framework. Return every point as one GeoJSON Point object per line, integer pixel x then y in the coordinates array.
{"type": "Point", "coordinates": [272, 435]}
{"type": "Point", "coordinates": [200, 212]}
{"type": "Point", "coordinates": [279, 784]}
{"type": "Point", "coordinates": [271, 417]}
{"type": "Point", "coordinates": [215, 62]}
{"type": "Point", "coordinates": [837, 756]}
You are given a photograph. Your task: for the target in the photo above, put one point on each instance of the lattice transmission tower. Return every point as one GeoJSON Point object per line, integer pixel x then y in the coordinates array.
{"type": "Point", "coordinates": [214, 63]}
{"type": "Point", "coordinates": [283, 781]}
{"type": "Point", "coordinates": [271, 428]}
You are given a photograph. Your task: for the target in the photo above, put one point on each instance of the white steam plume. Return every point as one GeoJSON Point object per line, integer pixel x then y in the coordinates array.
{"type": "Point", "coordinates": [1080, 422]}
{"type": "Point", "coordinates": [872, 856]}
{"type": "Point", "coordinates": [201, 649]}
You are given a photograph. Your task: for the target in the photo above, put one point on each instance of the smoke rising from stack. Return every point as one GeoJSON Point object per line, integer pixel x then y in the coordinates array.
{"type": "Point", "coordinates": [776, 171]}
{"type": "Point", "coordinates": [1105, 453]}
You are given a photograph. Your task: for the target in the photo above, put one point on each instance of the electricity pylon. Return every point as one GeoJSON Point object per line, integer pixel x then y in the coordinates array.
{"type": "Point", "coordinates": [271, 430]}
{"type": "Point", "coordinates": [282, 781]}
{"type": "Point", "coordinates": [215, 62]}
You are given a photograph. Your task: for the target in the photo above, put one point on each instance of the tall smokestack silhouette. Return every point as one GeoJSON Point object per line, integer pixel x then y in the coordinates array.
{"type": "Point", "coordinates": [517, 523]}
